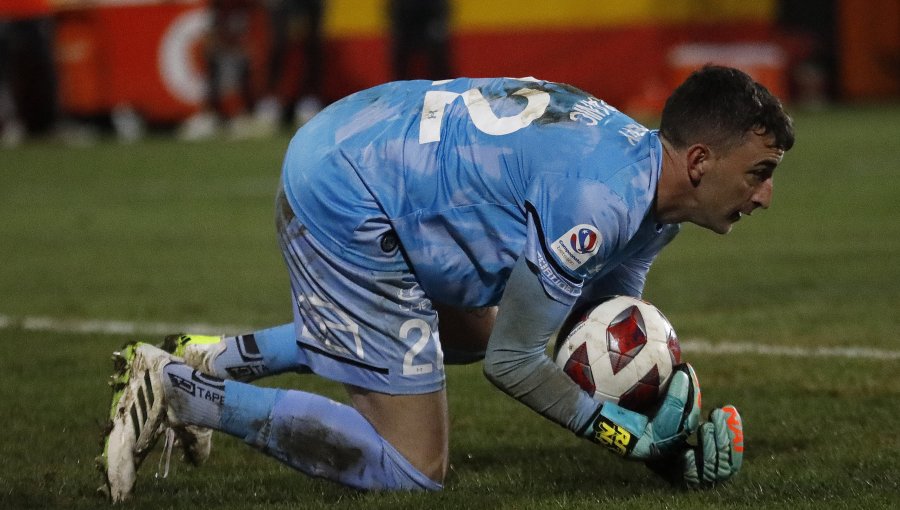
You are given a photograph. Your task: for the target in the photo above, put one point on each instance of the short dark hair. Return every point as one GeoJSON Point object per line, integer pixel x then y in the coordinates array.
{"type": "Point", "coordinates": [718, 106]}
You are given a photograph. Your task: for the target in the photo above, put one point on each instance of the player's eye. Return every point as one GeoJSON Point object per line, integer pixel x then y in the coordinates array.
{"type": "Point", "coordinates": [761, 174]}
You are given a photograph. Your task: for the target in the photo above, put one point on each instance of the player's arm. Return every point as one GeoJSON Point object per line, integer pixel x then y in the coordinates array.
{"type": "Point", "coordinates": [515, 359]}
{"type": "Point", "coordinates": [516, 362]}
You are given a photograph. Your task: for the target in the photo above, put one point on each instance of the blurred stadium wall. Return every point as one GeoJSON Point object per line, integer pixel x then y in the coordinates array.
{"type": "Point", "coordinates": [147, 53]}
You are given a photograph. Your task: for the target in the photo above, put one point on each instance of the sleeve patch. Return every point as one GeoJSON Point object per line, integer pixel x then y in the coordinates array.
{"type": "Point", "coordinates": [577, 246]}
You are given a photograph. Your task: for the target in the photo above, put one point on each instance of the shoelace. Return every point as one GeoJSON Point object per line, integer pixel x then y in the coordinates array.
{"type": "Point", "coordinates": [167, 453]}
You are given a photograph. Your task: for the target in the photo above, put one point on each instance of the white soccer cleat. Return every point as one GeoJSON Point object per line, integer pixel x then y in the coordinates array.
{"type": "Point", "coordinates": [198, 351]}
{"type": "Point", "coordinates": [137, 415]}
{"type": "Point", "coordinates": [195, 441]}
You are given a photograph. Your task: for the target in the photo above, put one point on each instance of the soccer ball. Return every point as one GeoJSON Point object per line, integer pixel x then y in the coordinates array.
{"type": "Point", "coordinates": [622, 350]}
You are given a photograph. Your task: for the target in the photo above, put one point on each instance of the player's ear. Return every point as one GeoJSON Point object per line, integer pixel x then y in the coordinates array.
{"type": "Point", "coordinates": [696, 157]}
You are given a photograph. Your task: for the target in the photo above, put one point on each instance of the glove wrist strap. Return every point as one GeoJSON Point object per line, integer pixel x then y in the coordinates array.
{"type": "Point", "coordinates": [616, 428]}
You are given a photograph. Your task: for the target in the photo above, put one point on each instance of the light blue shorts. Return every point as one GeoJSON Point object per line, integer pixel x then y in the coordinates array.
{"type": "Point", "coordinates": [369, 328]}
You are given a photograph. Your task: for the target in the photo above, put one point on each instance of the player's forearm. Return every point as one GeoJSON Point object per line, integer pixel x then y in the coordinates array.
{"type": "Point", "coordinates": [515, 360]}
{"type": "Point", "coordinates": [537, 382]}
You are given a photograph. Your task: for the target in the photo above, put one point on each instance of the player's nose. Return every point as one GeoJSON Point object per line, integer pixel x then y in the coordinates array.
{"type": "Point", "coordinates": [763, 195]}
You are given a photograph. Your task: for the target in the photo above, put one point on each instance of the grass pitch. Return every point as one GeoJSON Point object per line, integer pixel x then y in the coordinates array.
{"type": "Point", "coordinates": [163, 231]}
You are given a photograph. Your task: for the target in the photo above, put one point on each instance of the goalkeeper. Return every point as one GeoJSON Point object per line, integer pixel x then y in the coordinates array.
{"type": "Point", "coordinates": [425, 223]}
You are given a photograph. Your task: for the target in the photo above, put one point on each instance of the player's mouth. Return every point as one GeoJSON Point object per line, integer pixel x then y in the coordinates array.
{"type": "Point", "coordinates": [739, 213]}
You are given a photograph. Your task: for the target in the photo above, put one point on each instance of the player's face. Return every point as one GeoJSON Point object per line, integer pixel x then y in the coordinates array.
{"type": "Point", "coordinates": [737, 182]}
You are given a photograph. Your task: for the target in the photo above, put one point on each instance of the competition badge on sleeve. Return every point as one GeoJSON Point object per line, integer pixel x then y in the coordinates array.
{"type": "Point", "coordinates": [576, 246]}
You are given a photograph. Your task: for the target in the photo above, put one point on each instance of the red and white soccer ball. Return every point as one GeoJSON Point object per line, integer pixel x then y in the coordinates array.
{"type": "Point", "coordinates": [623, 351]}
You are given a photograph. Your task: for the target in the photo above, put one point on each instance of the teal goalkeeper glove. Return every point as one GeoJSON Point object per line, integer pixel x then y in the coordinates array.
{"type": "Point", "coordinates": [717, 457]}
{"type": "Point", "coordinates": [637, 437]}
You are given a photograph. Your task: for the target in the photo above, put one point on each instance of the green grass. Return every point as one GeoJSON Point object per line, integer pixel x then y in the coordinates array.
{"type": "Point", "coordinates": [162, 231]}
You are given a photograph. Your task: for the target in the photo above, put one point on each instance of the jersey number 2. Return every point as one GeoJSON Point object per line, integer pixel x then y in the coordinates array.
{"type": "Point", "coordinates": [480, 111]}
{"type": "Point", "coordinates": [424, 330]}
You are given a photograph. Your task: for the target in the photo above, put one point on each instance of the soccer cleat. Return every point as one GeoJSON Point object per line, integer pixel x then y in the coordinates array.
{"type": "Point", "coordinates": [137, 415]}
{"type": "Point", "coordinates": [197, 351]}
{"type": "Point", "coordinates": [118, 382]}
{"type": "Point", "coordinates": [195, 441]}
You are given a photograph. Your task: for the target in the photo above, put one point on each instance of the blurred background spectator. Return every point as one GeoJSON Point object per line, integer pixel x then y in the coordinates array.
{"type": "Point", "coordinates": [810, 36]}
{"type": "Point", "coordinates": [227, 64]}
{"type": "Point", "coordinates": [420, 39]}
{"type": "Point", "coordinates": [246, 67]}
{"type": "Point", "coordinates": [295, 28]}
{"type": "Point", "coordinates": [28, 85]}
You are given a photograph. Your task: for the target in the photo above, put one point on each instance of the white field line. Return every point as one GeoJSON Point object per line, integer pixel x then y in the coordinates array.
{"type": "Point", "coordinates": [113, 327]}
{"type": "Point", "coordinates": [728, 347]}
{"type": "Point", "coordinates": [691, 346]}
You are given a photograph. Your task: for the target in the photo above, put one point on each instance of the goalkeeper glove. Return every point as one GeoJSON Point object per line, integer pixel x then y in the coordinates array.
{"type": "Point", "coordinates": [637, 437]}
{"type": "Point", "coordinates": [716, 458]}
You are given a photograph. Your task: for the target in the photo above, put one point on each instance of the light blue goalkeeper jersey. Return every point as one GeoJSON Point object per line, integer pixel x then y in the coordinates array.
{"type": "Point", "coordinates": [473, 173]}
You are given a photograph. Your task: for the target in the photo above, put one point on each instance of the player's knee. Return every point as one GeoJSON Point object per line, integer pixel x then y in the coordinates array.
{"type": "Point", "coordinates": [424, 463]}
{"type": "Point", "coordinates": [415, 470]}
{"type": "Point", "coordinates": [415, 431]}
{"type": "Point", "coordinates": [436, 469]}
